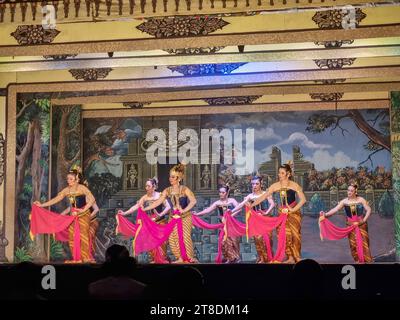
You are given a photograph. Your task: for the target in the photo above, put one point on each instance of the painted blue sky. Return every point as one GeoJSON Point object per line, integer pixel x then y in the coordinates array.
{"type": "Point", "coordinates": [285, 129]}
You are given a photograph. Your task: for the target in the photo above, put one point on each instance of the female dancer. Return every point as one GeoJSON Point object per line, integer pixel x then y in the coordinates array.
{"type": "Point", "coordinates": [230, 247]}
{"type": "Point", "coordinates": [355, 206]}
{"type": "Point", "coordinates": [263, 207]}
{"type": "Point", "coordinates": [157, 214]}
{"type": "Point", "coordinates": [182, 199]}
{"type": "Point", "coordinates": [81, 200]}
{"type": "Point", "coordinates": [287, 190]}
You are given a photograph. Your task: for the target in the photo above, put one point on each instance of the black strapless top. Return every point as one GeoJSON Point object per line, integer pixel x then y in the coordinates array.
{"type": "Point", "coordinates": [287, 196]}
{"type": "Point", "coordinates": [356, 209]}
{"type": "Point", "coordinates": [175, 199]}
{"type": "Point", "coordinates": [262, 206]}
{"type": "Point", "coordinates": [159, 209]}
{"type": "Point", "coordinates": [77, 201]}
{"type": "Point", "coordinates": [223, 208]}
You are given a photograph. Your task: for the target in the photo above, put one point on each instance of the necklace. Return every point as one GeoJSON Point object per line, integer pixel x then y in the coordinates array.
{"type": "Point", "coordinates": [284, 187]}
{"type": "Point", "coordinates": [224, 202]}
{"type": "Point", "coordinates": [256, 194]}
{"type": "Point", "coordinates": [70, 190]}
{"type": "Point", "coordinates": [151, 196]}
{"type": "Point", "coordinates": [177, 191]}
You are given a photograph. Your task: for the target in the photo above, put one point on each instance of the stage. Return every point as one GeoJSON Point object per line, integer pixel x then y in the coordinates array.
{"type": "Point", "coordinates": [241, 131]}
{"type": "Point", "coordinates": [212, 282]}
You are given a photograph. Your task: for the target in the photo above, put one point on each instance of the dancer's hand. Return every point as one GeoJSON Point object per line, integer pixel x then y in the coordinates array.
{"type": "Point", "coordinates": [356, 223]}
{"type": "Point", "coordinates": [122, 213]}
{"type": "Point", "coordinates": [37, 203]}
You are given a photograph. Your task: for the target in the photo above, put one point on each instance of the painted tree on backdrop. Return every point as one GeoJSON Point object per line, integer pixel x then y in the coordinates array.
{"type": "Point", "coordinates": [66, 149]}
{"type": "Point", "coordinates": [32, 155]}
{"type": "Point", "coordinates": [376, 127]}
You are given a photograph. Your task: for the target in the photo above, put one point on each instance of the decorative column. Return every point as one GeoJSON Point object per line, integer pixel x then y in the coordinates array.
{"type": "Point", "coordinates": [395, 139]}
{"type": "Point", "coordinates": [3, 240]}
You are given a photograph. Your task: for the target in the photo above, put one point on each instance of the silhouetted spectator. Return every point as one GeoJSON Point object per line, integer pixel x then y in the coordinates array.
{"type": "Point", "coordinates": [307, 280]}
{"type": "Point", "coordinates": [118, 285]}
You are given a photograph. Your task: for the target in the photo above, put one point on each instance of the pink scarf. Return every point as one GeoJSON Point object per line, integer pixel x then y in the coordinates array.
{"type": "Point", "coordinates": [149, 235]}
{"type": "Point", "coordinates": [331, 232]}
{"type": "Point", "coordinates": [259, 225]}
{"type": "Point", "coordinates": [47, 222]}
{"type": "Point", "coordinates": [204, 225]}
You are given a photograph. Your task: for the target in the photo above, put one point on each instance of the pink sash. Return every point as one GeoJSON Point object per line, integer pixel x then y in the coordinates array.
{"type": "Point", "coordinates": [331, 232]}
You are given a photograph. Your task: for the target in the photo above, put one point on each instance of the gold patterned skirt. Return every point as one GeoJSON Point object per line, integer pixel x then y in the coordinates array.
{"type": "Point", "coordinates": [293, 236]}
{"type": "Point", "coordinates": [187, 239]}
{"type": "Point", "coordinates": [231, 249]}
{"type": "Point", "coordinates": [84, 226]}
{"type": "Point", "coordinates": [365, 239]}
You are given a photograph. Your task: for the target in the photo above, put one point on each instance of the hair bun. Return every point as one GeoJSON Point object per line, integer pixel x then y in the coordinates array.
{"type": "Point", "coordinates": [257, 177]}
{"type": "Point", "coordinates": [76, 168]}
{"type": "Point", "coordinates": [180, 167]}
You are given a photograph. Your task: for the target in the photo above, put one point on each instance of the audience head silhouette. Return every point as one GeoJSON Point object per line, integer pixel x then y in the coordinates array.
{"type": "Point", "coordinates": [118, 284]}
{"type": "Point", "coordinates": [307, 279]}
{"type": "Point", "coordinates": [118, 262]}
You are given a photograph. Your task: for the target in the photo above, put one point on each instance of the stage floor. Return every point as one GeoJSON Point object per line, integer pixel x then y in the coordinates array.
{"type": "Point", "coordinates": [217, 282]}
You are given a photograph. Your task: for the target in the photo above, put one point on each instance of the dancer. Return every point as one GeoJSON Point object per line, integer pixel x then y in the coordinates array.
{"type": "Point", "coordinates": [288, 189]}
{"type": "Point", "coordinates": [357, 212]}
{"type": "Point", "coordinates": [263, 207]}
{"type": "Point", "coordinates": [157, 214]}
{"type": "Point", "coordinates": [181, 199]}
{"type": "Point", "coordinates": [81, 200]}
{"type": "Point", "coordinates": [230, 246]}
